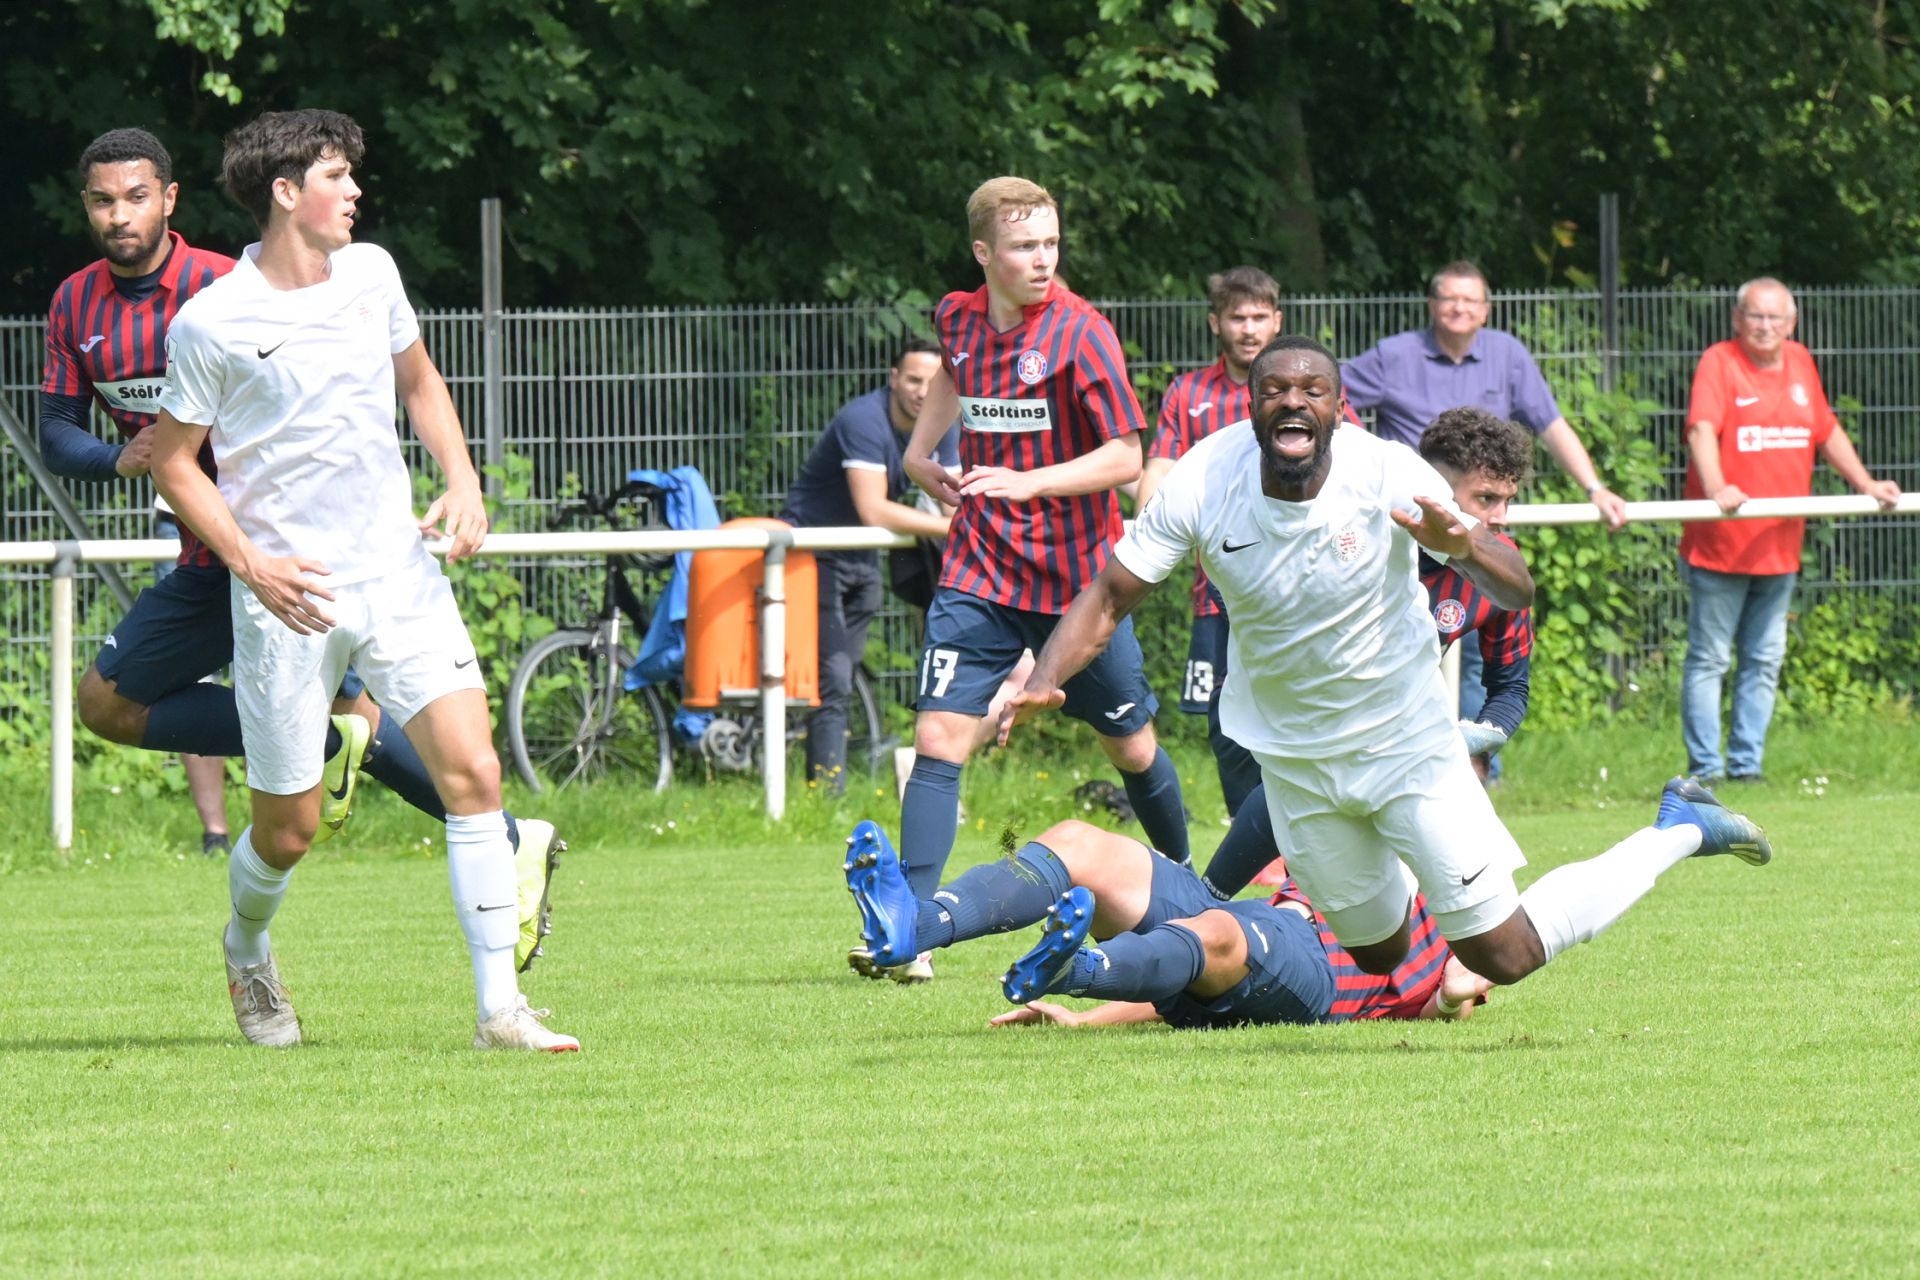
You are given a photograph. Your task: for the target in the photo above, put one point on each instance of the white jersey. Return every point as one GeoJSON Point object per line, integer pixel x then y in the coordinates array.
{"type": "Point", "coordinates": [297, 388]}
{"type": "Point", "coordinates": [1331, 650]}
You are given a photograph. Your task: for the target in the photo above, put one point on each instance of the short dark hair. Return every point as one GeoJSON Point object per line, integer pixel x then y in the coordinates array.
{"type": "Point", "coordinates": [283, 144]}
{"type": "Point", "coordinates": [1458, 269]}
{"type": "Point", "coordinates": [916, 347]}
{"type": "Point", "coordinates": [1295, 342]}
{"type": "Point", "coordinates": [1236, 284]}
{"type": "Point", "coordinates": [117, 146]}
{"type": "Point", "coordinates": [1468, 439]}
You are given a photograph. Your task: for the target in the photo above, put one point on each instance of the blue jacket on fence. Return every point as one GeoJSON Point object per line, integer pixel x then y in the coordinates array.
{"type": "Point", "coordinates": [689, 503]}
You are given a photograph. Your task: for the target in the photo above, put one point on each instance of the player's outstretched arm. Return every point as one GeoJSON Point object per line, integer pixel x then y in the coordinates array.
{"type": "Point", "coordinates": [1111, 1014]}
{"type": "Point", "coordinates": [1081, 635]}
{"type": "Point", "coordinates": [938, 412]}
{"type": "Point", "coordinates": [1495, 566]}
{"type": "Point", "coordinates": [284, 585]}
{"type": "Point", "coordinates": [461, 512]}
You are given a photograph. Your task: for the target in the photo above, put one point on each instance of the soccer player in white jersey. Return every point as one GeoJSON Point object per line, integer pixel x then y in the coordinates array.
{"type": "Point", "coordinates": [1312, 536]}
{"type": "Point", "coordinates": [290, 365]}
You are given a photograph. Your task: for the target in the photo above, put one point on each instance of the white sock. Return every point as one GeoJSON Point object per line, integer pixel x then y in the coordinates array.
{"type": "Point", "coordinates": [256, 890]}
{"type": "Point", "coordinates": [486, 898]}
{"type": "Point", "coordinates": [1574, 903]}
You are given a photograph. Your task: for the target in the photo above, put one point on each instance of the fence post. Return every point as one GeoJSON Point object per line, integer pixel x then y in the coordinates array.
{"type": "Point", "coordinates": [773, 672]}
{"type": "Point", "coordinates": [493, 426]}
{"type": "Point", "coordinates": [66, 559]}
{"type": "Point", "coordinates": [1610, 343]}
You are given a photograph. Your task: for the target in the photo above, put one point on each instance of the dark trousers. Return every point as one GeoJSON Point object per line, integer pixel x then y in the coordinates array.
{"type": "Point", "coordinates": [850, 597]}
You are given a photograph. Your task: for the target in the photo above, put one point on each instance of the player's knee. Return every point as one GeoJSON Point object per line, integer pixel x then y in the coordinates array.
{"type": "Point", "coordinates": [1220, 935]}
{"type": "Point", "coordinates": [472, 782]}
{"type": "Point", "coordinates": [1134, 753]}
{"type": "Point", "coordinates": [944, 735]}
{"type": "Point", "coordinates": [106, 713]}
{"type": "Point", "coordinates": [1504, 959]}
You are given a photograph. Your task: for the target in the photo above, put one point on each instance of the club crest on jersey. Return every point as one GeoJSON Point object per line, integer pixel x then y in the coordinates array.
{"type": "Point", "coordinates": [1348, 544]}
{"type": "Point", "coordinates": [1450, 616]}
{"type": "Point", "coordinates": [1799, 395]}
{"type": "Point", "coordinates": [1032, 367]}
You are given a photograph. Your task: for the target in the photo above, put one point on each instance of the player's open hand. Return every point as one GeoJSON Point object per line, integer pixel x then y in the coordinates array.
{"type": "Point", "coordinates": [461, 515]}
{"type": "Point", "coordinates": [1003, 483]}
{"type": "Point", "coordinates": [938, 482]}
{"type": "Point", "coordinates": [137, 454]}
{"type": "Point", "coordinates": [1039, 1011]}
{"type": "Point", "coordinates": [1435, 527]}
{"type": "Point", "coordinates": [290, 592]}
{"type": "Point", "coordinates": [1027, 704]}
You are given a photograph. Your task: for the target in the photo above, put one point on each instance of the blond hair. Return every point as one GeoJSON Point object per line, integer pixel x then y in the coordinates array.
{"type": "Point", "coordinates": [1004, 199]}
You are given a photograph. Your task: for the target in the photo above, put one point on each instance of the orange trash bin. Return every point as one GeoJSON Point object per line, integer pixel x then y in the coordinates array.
{"type": "Point", "coordinates": [723, 625]}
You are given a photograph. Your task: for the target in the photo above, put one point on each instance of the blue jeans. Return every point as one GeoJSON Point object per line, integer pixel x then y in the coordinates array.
{"type": "Point", "coordinates": [1728, 614]}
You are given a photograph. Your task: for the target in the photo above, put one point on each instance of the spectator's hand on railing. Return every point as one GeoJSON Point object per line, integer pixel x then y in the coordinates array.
{"type": "Point", "coordinates": [1613, 508]}
{"type": "Point", "coordinates": [1730, 497]}
{"type": "Point", "coordinates": [1884, 492]}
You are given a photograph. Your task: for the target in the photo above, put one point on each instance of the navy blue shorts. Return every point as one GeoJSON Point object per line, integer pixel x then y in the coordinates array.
{"type": "Point", "coordinates": [1206, 663]}
{"type": "Point", "coordinates": [1289, 979]}
{"type": "Point", "coordinates": [179, 631]}
{"type": "Point", "coordinates": [1176, 893]}
{"type": "Point", "coordinates": [972, 644]}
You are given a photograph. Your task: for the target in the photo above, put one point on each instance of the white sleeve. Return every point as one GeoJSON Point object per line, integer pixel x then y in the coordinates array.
{"type": "Point", "coordinates": [1164, 535]}
{"type": "Point", "coordinates": [1411, 476]}
{"type": "Point", "coordinates": [192, 393]}
{"type": "Point", "coordinates": [403, 327]}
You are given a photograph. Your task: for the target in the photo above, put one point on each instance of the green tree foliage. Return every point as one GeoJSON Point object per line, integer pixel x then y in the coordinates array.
{"type": "Point", "coordinates": [670, 151]}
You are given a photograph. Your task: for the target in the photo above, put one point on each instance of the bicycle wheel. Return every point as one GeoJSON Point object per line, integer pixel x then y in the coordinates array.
{"type": "Point", "coordinates": [569, 717]}
{"type": "Point", "coordinates": [867, 742]}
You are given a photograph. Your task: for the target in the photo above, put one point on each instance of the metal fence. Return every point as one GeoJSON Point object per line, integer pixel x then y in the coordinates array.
{"type": "Point", "coordinates": [742, 393]}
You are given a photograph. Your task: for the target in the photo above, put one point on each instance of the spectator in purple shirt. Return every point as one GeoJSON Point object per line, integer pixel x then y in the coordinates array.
{"type": "Point", "coordinates": [1412, 377]}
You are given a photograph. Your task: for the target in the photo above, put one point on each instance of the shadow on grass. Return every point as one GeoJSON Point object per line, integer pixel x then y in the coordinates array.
{"type": "Point", "coordinates": [101, 1043]}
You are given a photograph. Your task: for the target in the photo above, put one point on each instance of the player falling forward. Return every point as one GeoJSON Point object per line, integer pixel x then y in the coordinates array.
{"type": "Point", "coordinates": [290, 365]}
{"type": "Point", "coordinates": [1312, 536]}
{"type": "Point", "coordinates": [106, 344]}
{"type": "Point", "coordinates": [1173, 952]}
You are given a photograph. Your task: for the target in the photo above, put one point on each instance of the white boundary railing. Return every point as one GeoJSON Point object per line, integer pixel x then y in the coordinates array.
{"type": "Point", "coordinates": [65, 557]}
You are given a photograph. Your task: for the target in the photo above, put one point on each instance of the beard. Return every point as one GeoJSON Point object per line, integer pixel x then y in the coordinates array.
{"type": "Point", "coordinates": [133, 250]}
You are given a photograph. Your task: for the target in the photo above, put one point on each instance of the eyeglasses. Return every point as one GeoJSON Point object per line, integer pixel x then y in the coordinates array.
{"type": "Point", "coordinates": [1766, 317]}
{"type": "Point", "coordinates": [1458, 300]}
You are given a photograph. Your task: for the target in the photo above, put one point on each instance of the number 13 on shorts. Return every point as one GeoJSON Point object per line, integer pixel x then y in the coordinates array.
{"type": "Point", "coordinates": [936, 672]}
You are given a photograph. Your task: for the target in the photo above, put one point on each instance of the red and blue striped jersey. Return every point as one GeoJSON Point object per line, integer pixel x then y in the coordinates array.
{"type": "Point", "coordinates": [1506, 638]}
{"type": "Point", "coordinates": [1197, 404]}
{"type": "Point", "coordinates": [103, 346]}
{"type": "Point", "coordinates": [1358, 995]}
{"type": "Point", "coordinates": [1051, 389]}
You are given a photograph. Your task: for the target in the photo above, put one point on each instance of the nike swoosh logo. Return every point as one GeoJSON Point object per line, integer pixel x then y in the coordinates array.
{"type": "Point", "coordinates": [1199, 409]}
{"type": "Point", "coordinates": [1744, 401]}
{"type": "Point", "coordinates": [1230, 548]}
{"type": "Point", "coordinates": [341, 792]}
{"type": "Point", "coordinates": [502, 907]}
{"type": "Point", "coordinates": [1120, 711]}
{"type": "Point", "coordinates": [264, 352]}
{"type": "Point", "coordinates": [469, 662]}
{"type": "Point", "coordinates": [1467, 880]}
{"type": "Point", "coordinates": [92, 342]}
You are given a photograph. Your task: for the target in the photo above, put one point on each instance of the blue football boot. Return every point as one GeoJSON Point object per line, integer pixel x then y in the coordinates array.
{"type": "Point", "coordinates": [1048, 968]}
{"type": "Point", "coordinates": [1685, 802]}
{"type": "Point", "coordinates": [887, 905]}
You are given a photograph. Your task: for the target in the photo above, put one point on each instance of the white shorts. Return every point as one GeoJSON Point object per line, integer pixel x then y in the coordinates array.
{"type": "Point", "coordinates": [1346, 823]}
{"type": "Point", "coordinates": [401, 633]}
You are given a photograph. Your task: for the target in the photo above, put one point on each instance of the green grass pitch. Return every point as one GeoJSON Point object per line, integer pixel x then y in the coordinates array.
{"type": "Point", "coordinates": [1723, 1084]}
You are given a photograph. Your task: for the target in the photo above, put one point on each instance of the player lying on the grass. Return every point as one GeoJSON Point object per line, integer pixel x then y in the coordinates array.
{"type": "Point", "coordinates": [1172, 952]}
{"type": "Point", "coordinates": [106, 344]}
{"type": "Point", "coordinates": [1312, 536]}
{"type": "Point", "coordinates": [290, 365]}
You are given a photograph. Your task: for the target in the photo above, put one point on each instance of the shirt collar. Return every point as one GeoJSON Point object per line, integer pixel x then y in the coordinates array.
{"type": "Point", "coordinates": [1434, 351]}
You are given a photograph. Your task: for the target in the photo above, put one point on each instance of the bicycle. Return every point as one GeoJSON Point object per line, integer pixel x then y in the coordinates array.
{"type": "Point", "coordinates": [570, 715]}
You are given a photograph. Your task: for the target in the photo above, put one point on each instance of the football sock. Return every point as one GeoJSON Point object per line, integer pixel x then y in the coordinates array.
{"type": "Point", "coordinates": [1239, 771]}
{"type": "Point", "coordinates": [1144, 966]}
{"type": "Point", "coordinates": [256, 890]}
{"type": "Point", "coordinates": [1249, 846]}
{"type": "Point", "coordinates": [487, 900]}
{"type": "Point", "coordinates": [391, 757]}
{"type": "Point", "coordinates": [1574, 903]}
{"type": "Point", "coordinates": [928, 813]}
{"type": "Point", "coordinates": [1155, 795]}
{"type": "Point", "coordinates": [995, 897]}
{"type": "Point", "coordinates": [200, 719]}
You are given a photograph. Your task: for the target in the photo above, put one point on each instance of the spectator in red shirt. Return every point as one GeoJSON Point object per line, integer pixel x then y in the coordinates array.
{"type": "Point", "coordinates": [1756, 416]}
